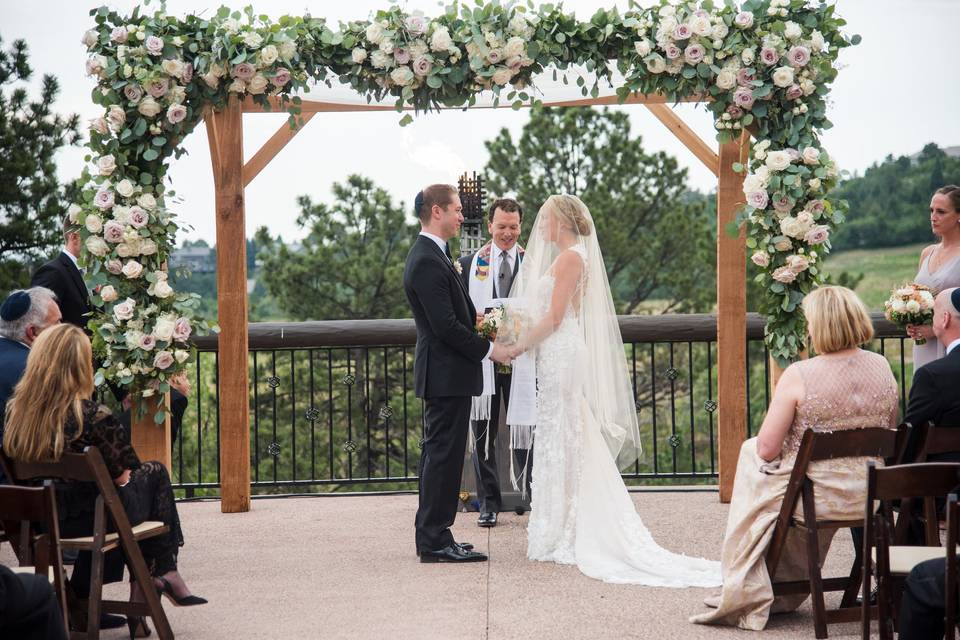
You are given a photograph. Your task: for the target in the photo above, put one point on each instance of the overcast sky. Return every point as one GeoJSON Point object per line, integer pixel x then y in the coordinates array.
{"type": "Point", "coordinates": [896, 92]}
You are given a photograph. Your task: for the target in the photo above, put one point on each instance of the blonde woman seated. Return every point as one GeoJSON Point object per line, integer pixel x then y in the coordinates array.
{"type": "Point", "coordinates": [843, 387]}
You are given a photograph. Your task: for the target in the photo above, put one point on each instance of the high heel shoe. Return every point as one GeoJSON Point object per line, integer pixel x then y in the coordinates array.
{"type": "Point", "coordinates": [138, 627]}
{"type": "Point", "coordinates": [185, 601]}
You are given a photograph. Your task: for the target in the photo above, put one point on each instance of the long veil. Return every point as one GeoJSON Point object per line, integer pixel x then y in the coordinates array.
{"type": "Point", "coordinates": [604, 376]}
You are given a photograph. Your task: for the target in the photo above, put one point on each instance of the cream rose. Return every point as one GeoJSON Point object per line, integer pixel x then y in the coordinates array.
{"type": "Point", "coordinates": [515, 46]}
{"type": "Point", "coordinates": [761, 259]}
{"type": "Point", "coordinates": [783, 245]}
{"type": "Point", "coordinates": [726, 79]}
{"type": "Point", "coordinates": [172, 67]}
{"type": "Point", "coordinates": [125, 188]}
{"type": "Point", "coordinates": [502, 76]}
{"type": "Point", "coordinates": [132, 269]}
{"type": "Point", "coordinates": [165, 324]}
{"type": "Point", "coordinates": [441, 40]}
{"type": "Point", "coordinates": [359, 54]}
{"type": "Point", "coordinates": [252, 39]}
{"type": "Point", "coordinates": [785, 275]}
{"type": "Point", "coordinates": [108, 293]}
{"type": "Point", "coordinates": [97, 246]}
{"type": "Point", "coordinates": [147, 247]}
{"type": "Point", "coordinates": [90, 38]}
{"type": "Point", "coordinates": [257, 84]}
{"type": "Point", "coordinates": [778, 160]}
{"type": "Point", "coordinates": [798, 263]}
{"type": "Point", "coordinates": [73, 212]}
{"type": "Point", "coordinates": [374, 32]}
{"type": "Point", "coordinates": [114, 266]}
{"type": "Point", "coordinates": [791, 227]}
{"type": "Point", "coordinates": [783, 77]}
{"type": "Point", "coordinates": [149, 107]}
{"type": "Point", "coordinates": [811, 155]}
{"type": "Point", "coordinates": [116, 116]}
{"type": "Point", "coordinates": [269, 55]}
{"type": "Point", "coordinates": [792, 30]}
{"type": "Point", "coordinates": [147, 201]}
{"type": "Point", "coordinates": [124, 310]}
{"type": "Point", "coordinates": [402, 76]}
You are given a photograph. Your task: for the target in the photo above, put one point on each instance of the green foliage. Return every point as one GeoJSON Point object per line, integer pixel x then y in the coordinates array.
{"type": "Point", "coordinates": [32, 200]}
{"type": "Point", "coordinates": [889, 203]}
{"type": "Point", "coordinates": [657, 237]}
{"type": "Point", "coordinates": [351, 261]}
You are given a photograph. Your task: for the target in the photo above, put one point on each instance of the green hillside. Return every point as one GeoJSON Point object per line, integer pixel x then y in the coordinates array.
{"type": "Point", "coordinates": [882, 270]}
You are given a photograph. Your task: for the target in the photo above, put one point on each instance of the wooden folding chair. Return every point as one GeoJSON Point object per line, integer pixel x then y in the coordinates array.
{"type": "Point", "coordinates": [21, 508]}
{"type": "Point", "coordinates": [89, 467]}
{"type": "Point", "coordinates": [932, 441]}
{"type": "Point", "coordinates": [817, 446]}
{"type": "Point", "coordinates": [927, 481]}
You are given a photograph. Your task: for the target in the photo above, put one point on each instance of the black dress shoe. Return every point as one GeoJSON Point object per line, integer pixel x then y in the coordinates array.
{"type": "Point", "coordinates": [487, 519]}
{"type": "Point", "coordinates": [466, 546]}
{"type": "Point", "coordinates": [452, 553]}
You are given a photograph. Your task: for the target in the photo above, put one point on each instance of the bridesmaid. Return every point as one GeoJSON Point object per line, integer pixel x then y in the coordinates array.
{"type": "Point", "coordinates": [939, 266]}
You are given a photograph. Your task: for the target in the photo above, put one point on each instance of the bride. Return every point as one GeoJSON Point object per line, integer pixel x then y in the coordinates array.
{"type": "Point", "coordinates": [584, 416]}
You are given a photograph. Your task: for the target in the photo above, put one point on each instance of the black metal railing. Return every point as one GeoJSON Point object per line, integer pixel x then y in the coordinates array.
{"type": "Point", "coordinates": [332, 406]}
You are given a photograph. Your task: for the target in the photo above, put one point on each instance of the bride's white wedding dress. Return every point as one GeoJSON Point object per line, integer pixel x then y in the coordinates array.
{"type": "Point", "coordinates": [581, 512]}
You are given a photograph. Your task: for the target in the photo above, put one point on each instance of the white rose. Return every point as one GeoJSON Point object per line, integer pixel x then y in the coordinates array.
{"type": "Point", "coordinates": [783, 77]}
{"type": "Point", "coordinates": [288, 50]}
{"type": "Point", "coordinates": [386, 45]}
{"type": "Point", "coordinates": [74, 212]}
{"type": "Point", "coordinates": [116, 116]}
{"type": "Point", "coordinates": [125, 189]}
{"type": "Point", "coordinates": [211, 79]}
{"type": "Point", "coordinates": [90, 38]}
{"type": "Point", "coordinates": [147, 201]}
{"type": "Point", "coordinates": [811, 155]}
{"type": "Point", "coordinates": [379, 59]}
{"type": "Point", "coordinates": [108, 293]}
{"type": "Point", "coordinates": [97, 246]}
{"type": "Point", "coordinates": [359, 54]}
{"type": "Point", "coordinates": [792, 228]}
{"type": "Point", "coordinates": [748, 56]}
{"type": "Point", "coordinates": [753, 183]}
{"type": "Point", "coordinates": [252, 39]}
{"type": "Point", "coordinates": [402, 75]}
{"type": "Point", "coordinates": [643, 47]}
{"type": "Point", "coordinates": [161, 289]}
{"type": "Point", "coordinates": [656, 65]}
{"type": "Point", "coordinates": [720, 31]}
{"type": "Point", "coordinates": [147, 247]}
{"type": "Point", "coordinates": [726, 79]}
{"type": "Point", "coordinates": [163, 327]}
{"type": "Point", "coordinates": [898, 306]}
{"type": "Point", "coordinates": [106, 164]}
{"type": "Point", "coordinates": [132, 269]}
{"type": "Point", "coordinates": [817, 43]}
{"type": "Point", "coordinates": [374, 32]}
{"type": "Point", "coordinates": [124, 310]}
{"type": "Point", "coordinates": [237, 86]}
{"type": "Point", "coordinates": [814, 183]}
{"type": "Point", "coordinates": [792, 30]}
{"type": "Point", "coordinates": [172, 67]}
{"type": "Point", "coordinates": [181, 356]}
{"type": "Point", "coordinates": [913, 306]}
{"type": "Point", "coordinates": [257, 84]}
{"type": "Point", "coordinates": [231, 26]}
{"type": "Point", "coordinates": [269, 55]}
{"type": "Point", "coordinates": [515, 46]}
{"type": "Point", "coordinates": [701, 25]}
{"type": "Point", "coordinates": [778, 160]}
{"type": "Point", "coordinates": [93, 223]}
{"type": "Point", "coordinates": [783, 245]}
{"type": "Point", "coordinates": [441, 40]}
{"type": "Point", "coordinates": [149, 107]}
{"type": "Point", "coordinates": [927, 298]}
{"type": "Point", "coordinates": [502, 76]}
{"type": "Point", "coordinates": [763, 173]}
{"type": "Point", "coordinates": [125, 250]}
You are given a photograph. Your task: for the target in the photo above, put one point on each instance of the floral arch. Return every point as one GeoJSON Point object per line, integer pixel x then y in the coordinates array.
{"type": "Point", "coordinates": [763, 68]}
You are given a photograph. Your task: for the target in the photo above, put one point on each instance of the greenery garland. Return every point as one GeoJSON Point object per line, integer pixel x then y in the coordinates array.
{"type": "Point", "coordinates": [766, 66]}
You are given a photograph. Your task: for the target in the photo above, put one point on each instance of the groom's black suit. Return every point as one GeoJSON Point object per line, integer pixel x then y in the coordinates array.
{"type": "Point", "coordinates": [446, 374]}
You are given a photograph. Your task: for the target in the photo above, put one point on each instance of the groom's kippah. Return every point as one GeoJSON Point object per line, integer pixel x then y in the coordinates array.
{"type": "Point", "coordinates": [418, 203]}
{"type": "Point", "coordinates": [955, 300]}
{"type": "Point", "coordinates": [15, 306]}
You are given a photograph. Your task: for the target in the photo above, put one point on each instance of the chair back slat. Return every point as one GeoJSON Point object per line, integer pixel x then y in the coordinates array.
{"type": "Point", "coordinates": [23, 503]}
{"type": "Point", "coordinates": [70, 466]}
{"type": "Point", "coordinates": [941, 440]}
{"type": "Point", "coordinates": [920, 480]}
{"type": "Point", "coordinates": [853, 443]}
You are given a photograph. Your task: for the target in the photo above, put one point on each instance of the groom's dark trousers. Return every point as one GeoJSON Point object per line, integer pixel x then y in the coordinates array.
{"type": "Point", "coordinates": [446, 374]}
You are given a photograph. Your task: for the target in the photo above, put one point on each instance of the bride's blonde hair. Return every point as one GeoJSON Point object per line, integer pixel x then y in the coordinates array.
{"type": "Point", "coordinates": [570, 209]}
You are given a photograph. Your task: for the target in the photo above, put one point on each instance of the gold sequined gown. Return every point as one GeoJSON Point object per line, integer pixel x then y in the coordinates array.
{"type": "Point", "coordinates": [840, 392]}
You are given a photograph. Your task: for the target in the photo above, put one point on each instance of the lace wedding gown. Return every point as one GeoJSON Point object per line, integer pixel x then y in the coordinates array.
{"type": "Point", "coordinates": [581, 512]}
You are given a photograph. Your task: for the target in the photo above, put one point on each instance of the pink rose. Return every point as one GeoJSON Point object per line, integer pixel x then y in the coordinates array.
{"type": "Point", "coordinates": [815, 206]}
{"type": "Point", "coordinates": [744, 19]}
{"type": "Point", "coordinates": [114, 266]}
{"type": "Point", "coordinates": [147, 342]}
{"type": "Point", "coordinates": [244, 71]}
{"type": "Point", "coordinates": [187, 75]}
{"type": "Point", "coordinates": [100, 126]}
{"type": "Point", "coordinates": [401, 55]}
{"type": "Point", "coordinates": [138, 217]}
{"type": "Point", "coordinates": [682, 32]}
{"type": "Point", "coordinates": [422, 66]}
{"type": "Point", "coordinates": [769, 56]}
{"type": "Point", "coordinates": [794, 92]}
{"type": "Point", "coordinates": [416, 25]}
{"type": "Point", "coordinates": [793, 153]}
{"type": "Point", "coordinates": [694, 53]}
{"type": "Point", "coordinates": [181, 331]}
{"type": "Point", "coordinates": [103, 199]}
{"type": "Point", "coordinates": [163, 359]}
{"type": "Point", "coordinates": [743, 97]}
{"type": "Point", "coordinates": [817, 235]}
{"type": "Point", "coordinates": [281, 78]}
{"type": "Point", "coordinates": [760, 258]}
{"type": "Point", "coordinates": [785, 275]}
{"type": "Point", "coordinates": [118, 35]}
{"type": "Point", "coordinates": [494, 56]}
{"type": "Point", "coordinates": [735, 112]}
{"type": "Point", "coordinates": [758, 199]}
{"type": "Point", "coordinates": [176, 113]}
{"type": "Point", "coordinates": [124, 310]}
{"type": "Point", "coordinates": [783, 204]}
{"type": "Point", "coordinates": [798, 263]}
{"type": "Point", "coordinates": [133, 93]}
{"type": "Point", "coordinates": [745, 77]}
{"type": "Point", "coordinates": [154, 45]}
{"type": "Point", "coordinates": [113, 231]}
{"type": "Point", "coordinates": [798, 56]}
{"type": "Point", "coordinates": [673, 52]}
{"type": "Point", "coordinates": [158, 88]}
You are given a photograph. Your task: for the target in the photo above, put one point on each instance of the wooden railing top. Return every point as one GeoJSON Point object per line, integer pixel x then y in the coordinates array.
{"type": "Point", "coordinates": [686, 327]}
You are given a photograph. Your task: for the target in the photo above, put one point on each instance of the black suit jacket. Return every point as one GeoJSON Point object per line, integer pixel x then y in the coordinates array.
{"type": "Point", "coordinates": [935, 397]}
{"type": "Point", "coordinates": [449, 351]}
{"type": "Point", "coordinates": [64, 279]}
{"type": "Point", "coordinates": [467, 261]}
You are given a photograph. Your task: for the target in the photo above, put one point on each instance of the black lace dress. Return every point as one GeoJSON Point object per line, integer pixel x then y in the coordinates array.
{"type": "Point", "coordinates": [148, 495]}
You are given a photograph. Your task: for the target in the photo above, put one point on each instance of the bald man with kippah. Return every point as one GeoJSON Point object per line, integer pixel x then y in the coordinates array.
{"type": "Point", "coordinates": [934, 396]}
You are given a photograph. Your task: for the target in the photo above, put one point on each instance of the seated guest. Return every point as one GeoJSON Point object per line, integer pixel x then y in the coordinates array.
{"type": "Point", "coordinates": [23, 315]}
{"type": "Point", "coordinates": [934, 397]}
{"type": "Point", "coordinates": [28, 607]}
{"type": "Point", "coordinates": [50, 413]}
{"type": "Point", "coordinates": [924, 601]}
{"type": "Point", "coordinates": [843, 387]}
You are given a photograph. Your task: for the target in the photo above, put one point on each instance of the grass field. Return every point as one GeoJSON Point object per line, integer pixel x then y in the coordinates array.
{"type": "Point", "coordinates": [882, 270]}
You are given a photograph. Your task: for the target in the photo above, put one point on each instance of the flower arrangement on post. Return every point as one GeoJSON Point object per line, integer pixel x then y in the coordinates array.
{"type": "Point", "coordinates": [910, 304]}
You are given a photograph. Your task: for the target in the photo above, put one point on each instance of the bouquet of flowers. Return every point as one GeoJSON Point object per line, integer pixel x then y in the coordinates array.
{"type": "Point", "coordinates": [910, 304]}
{"type": "Point", "coordinates": [491, 322]}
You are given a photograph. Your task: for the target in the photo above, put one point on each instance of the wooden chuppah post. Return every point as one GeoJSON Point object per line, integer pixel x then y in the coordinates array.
{"type": "Point", "coordinates": [150, 440]}
{"type": "Point", "coordinates": [225, 133]}
{"type": "Point", "coordinates": [731, 315]}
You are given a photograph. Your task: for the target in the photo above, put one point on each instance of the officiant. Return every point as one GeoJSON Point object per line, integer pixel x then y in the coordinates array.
{"type": "Point", "coordinates": [488, 275]}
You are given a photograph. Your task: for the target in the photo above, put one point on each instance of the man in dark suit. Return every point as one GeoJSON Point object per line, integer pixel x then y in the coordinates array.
{"type": "Point", "coordinates": [934, 397]}
{"type": "Point", "coordinates": [62, 275]}
{"type": "Point", "coordinates": [923, 604]}
{"type": "Point", "coordinates": [446, 370]}
{"type": "Point", "coordinates": [28, 607]}
{"type": "Point", "coordinates": [489, 274]}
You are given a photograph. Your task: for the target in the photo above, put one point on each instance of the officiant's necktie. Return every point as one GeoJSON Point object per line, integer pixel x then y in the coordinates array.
{"type": "Point", "coordinates": [505, 279]}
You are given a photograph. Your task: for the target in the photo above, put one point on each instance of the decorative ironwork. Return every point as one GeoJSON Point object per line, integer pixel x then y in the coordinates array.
{"type": "Point", "coordinates": [350, 446]}
{"type": "Point", "coordinates": [273, 382]}
{"type": "Point", "coordinates": [674, 441]}
{"type": "Point", "coordinates": [709, 406]}
{"type": "Point", "coordinates": [672, 373]}
{"type": "Point", "coordinates": [274, 449]}
{"type": "Point", "coordinates": [638, 404]}
{"type": "Point", "coordinates": [386, 412]}
{"type": "Point", "coordinates": [420, 443]}
{"type": "Point", "coordinates": [312, 414]}
{"type": "Point", "coordinates": [348, 379]}
{"type": "Point", "coordinates": [472, 197]}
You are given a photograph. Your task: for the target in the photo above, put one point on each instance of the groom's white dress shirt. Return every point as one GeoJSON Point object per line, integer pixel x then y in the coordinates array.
{"type": "Point", "coordinates": [953, 345]}
{"type": "Point", "coordinates": [442, 245]}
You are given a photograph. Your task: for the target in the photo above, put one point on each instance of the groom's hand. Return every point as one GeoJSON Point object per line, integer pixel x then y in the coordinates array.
{"type": "Point", "coordinates": [500, 354]}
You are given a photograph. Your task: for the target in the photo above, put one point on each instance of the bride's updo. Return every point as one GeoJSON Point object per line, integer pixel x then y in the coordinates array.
{"type": "Point", "coordinates": [571, 210]}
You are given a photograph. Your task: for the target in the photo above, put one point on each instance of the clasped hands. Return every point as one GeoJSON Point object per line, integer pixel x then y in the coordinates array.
{"type": "Point", "coordinates": [504, 354]}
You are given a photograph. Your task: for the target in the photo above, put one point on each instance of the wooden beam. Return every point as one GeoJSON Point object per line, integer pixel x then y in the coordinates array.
{"type": "Point", "coordinates": [686, 135]}
{"type": "Point", "coordinates": [225, 130]}
{"type": "Point", "coordinates": [731, 315]}
{"type": "Point", "coordinates": [271, 148]}
{"type": "Point", "coordinates": [318, 106]}
{"type": "Point", "coordinates": [150, 440]}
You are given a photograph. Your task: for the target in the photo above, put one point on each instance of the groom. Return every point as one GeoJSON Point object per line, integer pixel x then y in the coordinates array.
{"type": "Point", "coordinates": [446, 370]}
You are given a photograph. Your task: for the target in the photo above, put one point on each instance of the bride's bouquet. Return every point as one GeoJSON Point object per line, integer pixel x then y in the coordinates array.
{"type": "Point", "coordinates": [910, 304]}
{"type": "Point", "coordinates": [489, 325]}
